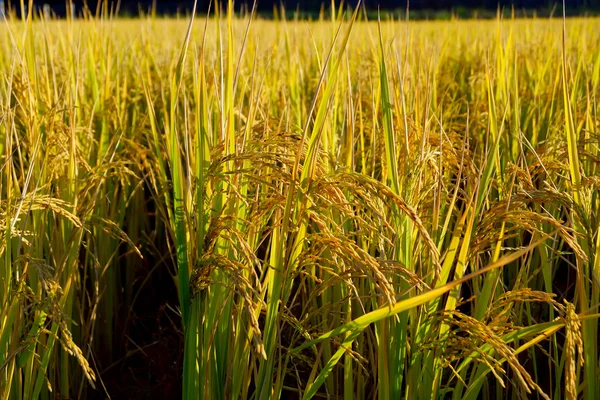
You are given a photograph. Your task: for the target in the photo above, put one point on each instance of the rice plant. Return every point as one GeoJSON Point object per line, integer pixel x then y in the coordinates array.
{"type": "Point", "coordinates": [345, 207]}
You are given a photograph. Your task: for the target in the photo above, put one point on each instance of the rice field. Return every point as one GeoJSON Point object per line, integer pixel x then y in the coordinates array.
{"type": "Point", "coordinates": [341, 208]}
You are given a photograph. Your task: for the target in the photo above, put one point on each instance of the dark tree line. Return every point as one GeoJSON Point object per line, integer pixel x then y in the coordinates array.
{"type": "Point", "coordinates": [172, 6]}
